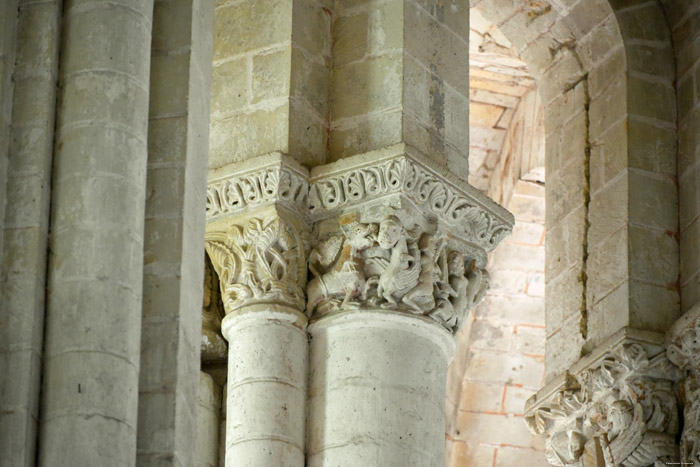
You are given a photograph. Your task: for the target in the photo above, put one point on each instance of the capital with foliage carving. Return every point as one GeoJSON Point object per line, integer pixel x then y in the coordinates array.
{"type": "Point", "coordinates": [257, 237]}
{"type": "Point", "coordinates": [395, 232]}
{"type": "Point", "coordinates": [616, 406]}
{"type": "Point", "coordinates": [683, 349]}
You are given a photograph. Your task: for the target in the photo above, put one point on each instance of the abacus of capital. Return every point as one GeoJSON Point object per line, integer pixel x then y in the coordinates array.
{"type": "Point", "coordinates": [394, 248]}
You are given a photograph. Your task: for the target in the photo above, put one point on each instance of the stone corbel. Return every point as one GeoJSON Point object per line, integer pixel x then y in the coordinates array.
{"type": "Point", "coordinates": [257, 237]}
{"type": "Point", "coordinates": [616, 406]}
{"type": "Point", "coordinates": [683, 349]}
{"type": "Point", "coordinates": [393, 231]}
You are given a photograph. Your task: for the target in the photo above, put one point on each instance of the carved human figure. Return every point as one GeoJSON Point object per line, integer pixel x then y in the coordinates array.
{"type": "Point", "coordinates": [421, 298]}
{"type": "Point", "coordinates": [403, 270]}
{"type": "Point", "coordinates": [338, 267]}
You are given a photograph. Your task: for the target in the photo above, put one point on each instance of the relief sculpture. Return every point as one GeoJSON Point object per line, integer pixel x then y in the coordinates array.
{"type": "Point", "coordinates": [390, 266]}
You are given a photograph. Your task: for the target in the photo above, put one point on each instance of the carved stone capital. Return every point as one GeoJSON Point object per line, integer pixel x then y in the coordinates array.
{"type": "Point", "coordinates": [257, 236]}
{"type": "Point", "coordinates": [618, 401]}
{"type": "Point", "coordinates": [397, 175]}
{"type": "Point", "coordinates": [683, 349]}
{"type": "Point", "coordinates": [393, 232]}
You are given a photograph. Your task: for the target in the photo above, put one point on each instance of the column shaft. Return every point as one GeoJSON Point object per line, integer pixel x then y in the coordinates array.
{"type": "Point", "coordinates": [93, 322]}
{"type": "Point", "coordinates": [266, 389]}
{"type": "Point", "coordinates": [26, 225]}
{"type": "Point", "coordinates": [377, 390]}
{"type": "Point", "coordinates": [174, 231]}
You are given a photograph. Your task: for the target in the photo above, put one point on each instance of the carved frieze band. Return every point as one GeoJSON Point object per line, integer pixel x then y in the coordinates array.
{"type": "Point", "coordinates": [274, 180]}
{"type": "Point", "coordinates": [624, 406]}
{"type": "Point", "coordinates": [471, 215]}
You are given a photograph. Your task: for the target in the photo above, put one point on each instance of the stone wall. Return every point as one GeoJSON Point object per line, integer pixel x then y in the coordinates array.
{"type": "Point", "coordinates": [504, 350]}
{"type": "Point", "coordinates": [683, 18]}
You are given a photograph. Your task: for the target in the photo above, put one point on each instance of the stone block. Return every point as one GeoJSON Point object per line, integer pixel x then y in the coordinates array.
{"type": "Point", "coordinates": [259, 132]}
{"type": "Point", "coordinates": [470, 453]}
{"type": "Point", "coordinates": [607, 266]}
{"type": "Point", "coordinates": [168, 100]}
{"type": "Point", "coordinates": [653, 255]}
{"type": "Point", "coordinates": [529, 340]}
{"type": "Point", "coordinates": [609, 156]}
{"type": "Point", "coordinates": [371, 85]}
{"type": "Point", "coordinates": [230, 84]}
{"type": "Point", "coordinates": [564, 296]}
{"type": "Point", "coordinates": [508, 456]}
{"type": "Point", "coordinates": [653, 308]}
{"type": "Point", "coordinates": [367, 134]}
{"type": "Point", "coordinates": [350, 38]}
{"type": "Point", "coordinates": [653, 99]}
{"type": "Point", "coordinates": [310, 83]}
{"type": "Point", "coordinates": [607, 109]}
{"type": "Point", "coordinates": [608, 210]}
{"type": "Point", "coordinates": [563, 348]}
{"type": "Point", "coordinates": [249, 25]}
{"type": "Point", "coordinates": [311, 26]}
{"type": "Point", "coordinates": [492, 429]}
{"type": "Point", "coordinates": [480, 397]}
{"type": "Point", "coordinates": [167, 140]}
{"type": "Point", "coordinates": [497, 367]}
{"type": "Point", "coordinates": [511, 309]}
{"type": "Point", "coordinates": [271, 75]}
{"type": "Point", "coordinates": [651, 147]}
{"type": "Point", "coordinates": [486, 335]}
{"type": "Point", "coordinates": [654, 201]}
{"type": "Point", "coordinates": [308, 136]}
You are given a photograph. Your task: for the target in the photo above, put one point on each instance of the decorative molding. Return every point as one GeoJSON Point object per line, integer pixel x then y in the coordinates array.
{"type": "Point", "coordinates": [258, 182]}
{"type": "Point", "coordinates": [390, 265]}
{"type": "Point", "coordinates": [623, 406]}
{"type": "Point", "coordinates": [369, 178]}
{"type": "Point", "coordinates": [260, 260]}
{"type": "Point", "coordinates": [683, 349]}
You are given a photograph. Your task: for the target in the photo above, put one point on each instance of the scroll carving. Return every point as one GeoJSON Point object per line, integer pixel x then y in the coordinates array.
{"type": "Point", "coordinates": [260, 261]}
{"type": "Point", "coordinates": [387, 265]}
{"type": "Point", "coordinates": [479, 223]}
{"type": "Point", "coordinates": [626, 403]}
{"type": "Point", "coordinates": [252, 189]}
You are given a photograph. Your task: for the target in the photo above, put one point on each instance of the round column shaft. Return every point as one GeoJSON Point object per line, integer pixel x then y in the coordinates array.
{"type": "Point", "coordinates": [377, 390]}
{"type": "Point", "coordinates": [93, 320]}
{"type": "Point", "coordinates": [267, 370]}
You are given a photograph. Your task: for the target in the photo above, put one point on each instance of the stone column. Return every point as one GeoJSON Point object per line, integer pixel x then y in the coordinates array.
{"type": "Point", "coordinates": [93, 316]}
{"type": "Point", "coordinates": [256, 239]}
{"type": "Point", "coordinates": [399, 251]}
{"type": "Point", "coordinates": [181, 52]}
{"type": "Point", "coordinates": [26, 223]}
{"type": "Point", "coordinates": [616, 406]}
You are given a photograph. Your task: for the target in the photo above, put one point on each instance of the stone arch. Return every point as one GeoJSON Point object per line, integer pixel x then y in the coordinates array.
{"type": "Point", "coordinates": [604, 72]}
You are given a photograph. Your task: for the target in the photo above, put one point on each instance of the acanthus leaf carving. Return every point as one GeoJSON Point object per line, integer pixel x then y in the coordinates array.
{"type": "Point", "coordinates": [625, 401]}
{"type": "Point", "coordinates": [261, 260]}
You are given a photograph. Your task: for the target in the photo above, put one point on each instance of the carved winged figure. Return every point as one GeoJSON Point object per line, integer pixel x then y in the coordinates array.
{"type": "Point", "coordinates": [403, 270]}
{"type": "Point", "coordinates": [337, 266]}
